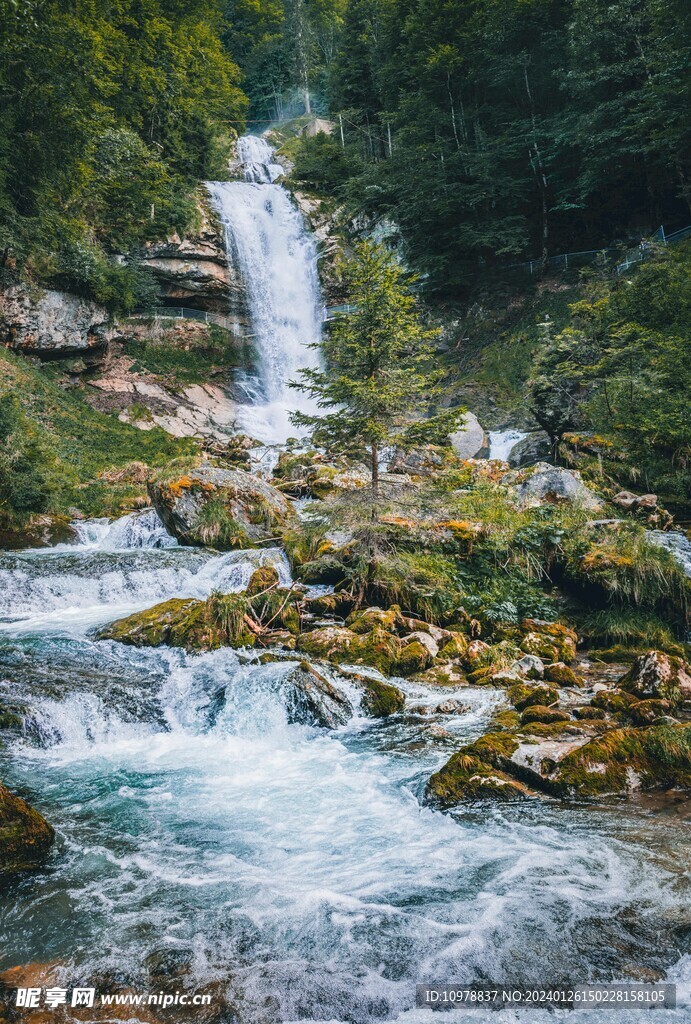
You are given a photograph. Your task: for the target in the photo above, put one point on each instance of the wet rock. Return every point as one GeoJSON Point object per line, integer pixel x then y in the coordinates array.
{"type": "Point", "coordinates": [379, 699]}
{"type": "Point", "coordinates": [470, 441]}
{"type": "Point", "coordinates": [313, 700]}
{"type": "Point", "coordinates": [560, 674]}
{"type": "Point", "coordinates": [263, 578]}
{"type": "Point", "coordinates": [476, 652]}
{"type": "Point", "coordinates": [223, 508]}
{"type": "Point", "coordinates": [25, 835]}
{"type": "Point", "coordinates": [446, 707]}
{"type": "Point", "coordinates": [471, 774]}
{"type": "Point", "coordinates": [48, 323]}
{"type": "Point", "coordinates": [373, 618]}
{"type": "Point", "coordinates": [448, 673]}
{"type": "Point", "coordinates": [544, 715]}
{"type": "Point", "coordinates": [414, 657]}
{"type": "Point", "coordinates": [529, 667]}
{"type": "Point", "coordinates": [524, 695]}
{"type": "Point", "coordinates": [40, 531]}
{"type": "Point", "coordinates": [186, 622]}
{"type": "Point", "coordinates": [531, 449]}
{"type": "Point", "coordinates": [626, 760]}
{"type": "Point", "coordinates": [659, 676]}
{"type": "Point", "coordinates": [613, 700]}
{"type": "Point", "coordinates": [543, 483]}
{"type": "Point", "coordinates": [647, 712]}
{"type": "Point", "coordinates": [589, 712]}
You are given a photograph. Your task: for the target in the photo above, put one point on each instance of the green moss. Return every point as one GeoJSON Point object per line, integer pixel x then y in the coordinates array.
{"type": "Point", "coordinates": [380, 699]}
{"type": "Point", "coordinates": [658, 757]}
{"type": "Point", "coordinates": [545, 715]}
{"type": "Point", "coordinates": [467, 778]}
{"type": "Point", "coordinates": [613, 700]}
{"type": "Point", "coordinates": [263, 578]}
{"type": "Point", "coordinates": [25, 836]}
{"type": "Point", "coordinates": [371, 618]}
{"type": "Point", "coordinates": [524, 695]}
{"type": "Point", "coordinates": [561, 675]}
{"type": "Point", "coordinates": [185, 622]}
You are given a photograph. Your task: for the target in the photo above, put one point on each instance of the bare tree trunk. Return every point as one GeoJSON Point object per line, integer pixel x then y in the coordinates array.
{"type": "Point", "coordinates": [375, 472]}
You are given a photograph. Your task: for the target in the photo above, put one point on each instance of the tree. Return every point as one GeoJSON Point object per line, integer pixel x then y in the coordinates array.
{"type": "Point", "coordinates": [378, 363]}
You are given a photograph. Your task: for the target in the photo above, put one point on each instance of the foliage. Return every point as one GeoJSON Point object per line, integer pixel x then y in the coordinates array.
{"type": "Point", "coordinates": [25, 464]}
{"type": "Point", "coordinates": [112, 113]}
{"type": "Point", "coordinates": [378, 362]}
{"type": "Point", "coordinates": [626, 380]}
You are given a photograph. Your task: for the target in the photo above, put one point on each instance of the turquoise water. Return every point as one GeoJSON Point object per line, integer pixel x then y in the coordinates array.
{"type": "Point", "coordinates": [297, 867]}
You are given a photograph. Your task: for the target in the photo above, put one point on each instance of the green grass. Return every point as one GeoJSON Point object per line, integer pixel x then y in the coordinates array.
{"type": "Point", "coordinates": [220, 352]}
{"type": "Point", "coordinates": [84, 442]}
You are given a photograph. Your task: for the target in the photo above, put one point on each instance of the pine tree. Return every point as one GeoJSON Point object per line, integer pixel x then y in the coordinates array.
{"type": "Point", "coordinates": [378, 363]}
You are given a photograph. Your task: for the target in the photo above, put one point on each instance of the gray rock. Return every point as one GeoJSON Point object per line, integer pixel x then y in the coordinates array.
{"type": "Point", "coordinates": [253, 510]}
{"type": "Point", "coordinates": [470, 441]}
{"type": "Point", "coordinates": [312, 700]}
{"type": "Point", "coordinates": [534, 447]}
{"type": "Point", "coordinates": [530, 667]}
{"type": "Point", "coordinates": [657, 675]}
{"type": "Point", "coordinates": [544, 483]}
{"type": "Point", "coordinates": [47, 323]}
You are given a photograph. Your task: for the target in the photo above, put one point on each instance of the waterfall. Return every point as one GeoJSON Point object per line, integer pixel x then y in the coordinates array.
{"type": "Point", "coordinates": [277, 259]}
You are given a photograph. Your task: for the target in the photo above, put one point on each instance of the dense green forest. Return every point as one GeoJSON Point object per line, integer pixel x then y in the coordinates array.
{"type": "Point", "coordinates": [487, 130]}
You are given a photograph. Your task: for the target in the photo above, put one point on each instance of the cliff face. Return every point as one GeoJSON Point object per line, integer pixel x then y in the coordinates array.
{"type": "Point", "coordinates": [194, 271]}
{"type": "Point", "coordinates": [49, 323]}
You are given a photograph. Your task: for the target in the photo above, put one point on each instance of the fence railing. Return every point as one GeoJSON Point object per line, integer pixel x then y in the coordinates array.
{"type": "Point", "coordinates": [188, 313]}
{"type": "Point", "coordinates": [574, 260]}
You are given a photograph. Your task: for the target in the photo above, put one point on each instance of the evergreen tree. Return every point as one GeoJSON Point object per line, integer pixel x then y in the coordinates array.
{"type": "Point", "coordinates": [378, 363]}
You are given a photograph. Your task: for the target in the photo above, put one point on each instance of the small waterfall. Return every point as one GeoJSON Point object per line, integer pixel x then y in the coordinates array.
{"type": "Point", "coordinates": [277, 258]}
{"type": "Point", "coordinates": [136, 530]}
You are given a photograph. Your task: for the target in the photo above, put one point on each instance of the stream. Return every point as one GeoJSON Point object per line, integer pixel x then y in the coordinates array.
{"type": "Point", "coordinates": [298, 865]}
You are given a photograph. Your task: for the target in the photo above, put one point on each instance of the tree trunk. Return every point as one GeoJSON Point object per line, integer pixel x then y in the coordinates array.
{"type": "Point", "coordinates": [375, 471]}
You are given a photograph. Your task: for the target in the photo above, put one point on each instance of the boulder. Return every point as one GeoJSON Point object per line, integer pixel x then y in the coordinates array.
{"type": "Point", "coordinates": [524, 695]}
{"type": "Point", "coordinates": [425, 461]}
{"type": "Point", "coordinates": [543, 483]}
{"type": "Point", "coordinates": [550, 641]}
{"type": "Point", "coordinates": [534, 447]}
{"type": "Point", "coordinates": [473, 773]}
{"type": "Point", "coordinates": [223, 508]}
{"type": "Point", "coordinates": [40, 531]}
{"type": "Point", "coordinates": [658, 676]}
{"type": "Point", "coordinates": [623, 761]}
{"type": "Point", "coordinates": [470, 441]}
{"type": "Point", "coordinates": [25, 835]}
{"type": "Point", "coordinates": [185, 622]}
{"type": "Point", "coordinates": [312, 700]}
{"type": "Point", "coordinates": [529, 667]}
{"type": "Point", "coordinates": [47, 323]}
{"type": "Point", "coordinates": [379, 699]}
{"type": "Point", "coordinates": [262, 579]}
{"type": "Point", "coordinates": [560, 674]}
{"type": "Point", "coordinates": [544, 715]}
{"type": "Point", "coordinates": [647, 712]}
{"type": "Point", "coordinates": [373, 618]}
{"type": "Point", "coordinates": [613, 700]}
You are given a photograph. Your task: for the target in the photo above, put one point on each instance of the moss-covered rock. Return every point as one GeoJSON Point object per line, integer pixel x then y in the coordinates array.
{"type": "Point", "coordinates": [550, 641]}
{"type": "Point", "coordinates": [313, 700]}
{"type": "Point", "coordinates": [379, 699]}
{"type": "Point", "coordinates": [39, 531]}
{"type": "Point", "coordinates": [613, 700]}
{"type": "Point", "coordinates": [646, 712]}
{"type": "Point", "coordinates": [25, 835]}
{"type": "Point", "coordinates": [373, 618]}
{"type": "Point", "coordinates": [561, 675]}
{"type": "Point", "coordinates": [544, 715]}
{"type": "Point", "coordinates": [525, 695]}
{"type": "Point", "coordinates": [339, 603]}
{"type": "Point", "coordinates": [589, 713]}
{"type": "Point", "coordinates": [472, 774]}
{"type": "Point", "coordinates": [412, 658]}
{"type": "Point", "coordinates": [222, 508]}
{"type": "Point", "coordinates": [453, 646]}
{"type": "Point", "coordinates": [263, 578]}
{"type": "Point", "coordinates": [658, 676]}
{"type": "Point", "coordinates": [625, 760]}
{"type": "Point", "coordinates": [219, 621]}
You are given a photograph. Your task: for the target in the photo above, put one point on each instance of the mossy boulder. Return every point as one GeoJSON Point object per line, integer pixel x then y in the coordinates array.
{"type": "Point", "coordinates": [39, 531]}
{"type": "Point", "coordinates": [613, 700]}
{"type": "Point", "coordinates": [453, 646]}
{"type": "Point", "coordinates": [524, 695]}
{"type": "Point", "coordinates": [625, 760]}
{"type": "Point", "coordinates": [658, 676]}
{"type": "Point", "coordinates": [544, 715]}
{"type": "Point", "coordinates": [313, 700]}
{"type": "Point", "coordinates": [377, 649]}
{"type": "Point", "coordinates": [471, 774]}
{"type": "Point", "coordinates": [339, 603]}
{"type": "Point", "coordinates": [373, 618]}
{"type": "Point", "coordinates": [561, 675]}
{"type": "Point", "coordinates": [413, 658]}
{"type": "Point", "coordinates": [186, 622]}
{"type": "Point", "coordinates": [550, 641]}
{"type": "Point", "coordinates": [589, 713]}
{"type": "Point", "coordinates": [263, 578]}
{"type": "Point", "coordinates": [25, 835]}
{"type": "Point", "coordinates": [380, 699]}
{"type": "Point", "coordinates": [222, 508]}
{"type": "Point", "coordinates": [646, 712]}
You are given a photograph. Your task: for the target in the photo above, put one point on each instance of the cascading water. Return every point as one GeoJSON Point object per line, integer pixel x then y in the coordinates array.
{"type": "Point", "coordinates": [277, 258]}
{"type": "Point", "coordinates": [206, 839]}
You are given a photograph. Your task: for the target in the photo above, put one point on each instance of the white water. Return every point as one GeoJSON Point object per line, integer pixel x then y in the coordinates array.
{"type": "Point", "coordinates": [294, 865]}
{"type": "Point", "coordinates": [277, 258]}
{"type": "Point", "coordinates": [502, 441]}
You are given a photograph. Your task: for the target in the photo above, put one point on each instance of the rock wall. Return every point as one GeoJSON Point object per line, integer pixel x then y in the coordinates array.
{"type": "Point", "coordinates": [51, 323]}
{"type": "Point", "coordinates": [194, 271]}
